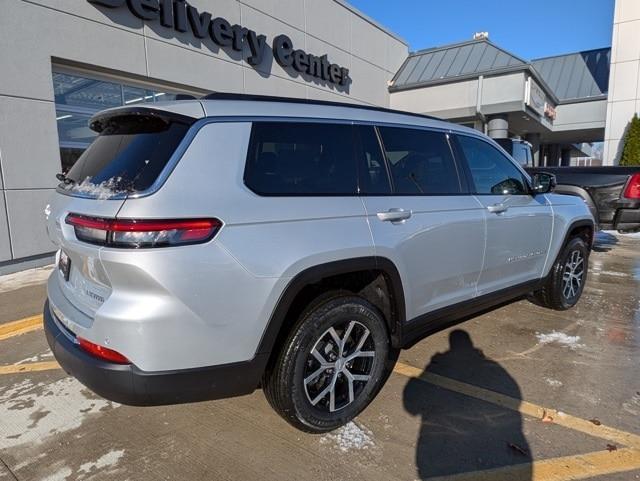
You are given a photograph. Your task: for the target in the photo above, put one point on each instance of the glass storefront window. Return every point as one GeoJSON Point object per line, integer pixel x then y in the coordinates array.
{"type": "Point", "coordinates": [78, 98]}
{"type": "Point", "coordinates": [135, 95]}
{"type": "Point", "coordinates": [84, 92]}
{"type": "Point", "coordinates": [73, 127]}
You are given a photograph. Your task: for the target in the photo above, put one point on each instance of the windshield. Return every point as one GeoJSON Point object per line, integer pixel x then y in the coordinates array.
{"type": "Point", "coordinates": [126, 157]}
{"type": "Point", "coordinates": [522, 154]}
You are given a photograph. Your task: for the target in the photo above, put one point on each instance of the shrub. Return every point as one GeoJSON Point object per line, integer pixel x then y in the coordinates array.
{"type": "Point", "coordinates": [631, 149]}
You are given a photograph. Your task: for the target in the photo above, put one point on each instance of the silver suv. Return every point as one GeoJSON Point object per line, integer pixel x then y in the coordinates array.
{"type": "Point", "coordinates": [212, 246]}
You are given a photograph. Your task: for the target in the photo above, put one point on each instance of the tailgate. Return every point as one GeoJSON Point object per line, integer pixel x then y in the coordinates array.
{"type": "Point", "coordinates": [606, 199]}
{"type": "Point", "coordinates": [87, 285]}
{"type": "Point", "coordinates": [132, 150]}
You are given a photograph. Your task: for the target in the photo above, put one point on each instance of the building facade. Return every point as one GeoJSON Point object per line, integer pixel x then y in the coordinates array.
{"type": "Point", "coordinates": [64, 60]}
{"type": "Point", "coordinates": [556, 103]}
{"type": "Point", "coordinates": [624, 95]}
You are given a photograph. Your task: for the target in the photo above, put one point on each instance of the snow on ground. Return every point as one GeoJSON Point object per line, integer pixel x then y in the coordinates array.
{"type": "Point", "coordinates": [635, 235]}
{"type": "Point", "coordinates": [30, 277]}
{"type": "Point", "coordinates": [61, 474]}
{"type": "Point", "coordinates": [349, 437]}
{"type": "Point", "coordinates": [43, 356]}
{"type": "Point", "coordinates": [31, 412]}
{"type": "Point", "coordinates": [561, 338]}
{"type": "Point", "coordinates": [109, 460]}
{"type": "Point", "coordinates": [597, 272]}
{"type": "Point", "coordinates": [553, 382]}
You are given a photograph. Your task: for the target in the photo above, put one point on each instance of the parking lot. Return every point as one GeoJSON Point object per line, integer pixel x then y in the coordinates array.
{"type": "Point", "coordinates": [518, 393]}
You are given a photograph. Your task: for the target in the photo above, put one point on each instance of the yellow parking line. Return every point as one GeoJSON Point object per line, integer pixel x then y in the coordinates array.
{"type": "Point", "coordinates": [15, 328]}
{"type": "Point", "coordinates": [523, 407]}
{"type": "Point", "coordinates": [29, 367]}
{"type": "Point", "coordinates": [566, 468]}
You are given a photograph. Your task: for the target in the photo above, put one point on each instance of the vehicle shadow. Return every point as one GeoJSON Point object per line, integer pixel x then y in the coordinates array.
{"type": "Point", "coordinates": [604, 242]}
{"type": "Point", "coordinates": [458, 433]}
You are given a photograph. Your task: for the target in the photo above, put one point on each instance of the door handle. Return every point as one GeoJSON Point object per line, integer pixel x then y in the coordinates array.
{"type": "Point", "coordinates": [394, 215]}
{"type": "Point", "coordinates": [497, 208]}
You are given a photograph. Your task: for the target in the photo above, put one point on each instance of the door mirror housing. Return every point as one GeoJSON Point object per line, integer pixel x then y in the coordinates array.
{"type": "Point", "coordinates": [543, 183]}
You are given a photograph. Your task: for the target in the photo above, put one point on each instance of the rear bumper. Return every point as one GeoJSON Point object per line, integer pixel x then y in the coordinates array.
{"type": "Point", "coordinates": [126, 384]}
{"type": "Point", "coordinates": [628, 219]}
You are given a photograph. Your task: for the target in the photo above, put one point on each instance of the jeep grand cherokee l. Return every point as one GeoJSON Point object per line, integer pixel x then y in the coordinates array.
{"type": "Point", "coordinates": [212, 246]}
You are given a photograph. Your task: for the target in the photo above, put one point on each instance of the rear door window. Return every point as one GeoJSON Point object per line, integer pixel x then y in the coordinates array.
{"type": "Point", "coordinates": [287, 158]}
{"type": "Point", "coordinates": [126, 157]}
{"type": "Point", "coordinates": [420, 162]}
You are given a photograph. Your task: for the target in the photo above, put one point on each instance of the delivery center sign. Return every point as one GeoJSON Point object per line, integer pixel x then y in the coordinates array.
{"type": "Point", "coordinates": [182, 17]}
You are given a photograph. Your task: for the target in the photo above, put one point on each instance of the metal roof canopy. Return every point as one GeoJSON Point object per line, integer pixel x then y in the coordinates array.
{"type": "Point", "coordinates": [470, 58]}
{"type": "Point", "coordinates": [568, 78]}
{"type": "Point", "coordinates": [576, 76]}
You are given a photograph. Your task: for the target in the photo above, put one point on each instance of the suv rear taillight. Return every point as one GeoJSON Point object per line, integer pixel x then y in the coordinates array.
{"type": "Point", "coordinates": [633, 187]}
{"type": "Point", "coordinates": [142, 233]}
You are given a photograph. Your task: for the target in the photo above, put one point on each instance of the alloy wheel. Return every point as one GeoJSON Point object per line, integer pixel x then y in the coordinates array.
{"type": "Point", "coordinates": [573, 275]}
{"type": "Point", "coordinates": [339, 366]}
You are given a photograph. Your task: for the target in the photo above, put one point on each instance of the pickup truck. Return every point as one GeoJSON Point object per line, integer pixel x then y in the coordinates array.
{"type": "Point", "coordinates": [611, 193]}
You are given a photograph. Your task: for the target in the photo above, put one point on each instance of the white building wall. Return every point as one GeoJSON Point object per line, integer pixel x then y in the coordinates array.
{"type": "Point", "coordinates": [455, 100]}
{"type": "Point", "coordinates": [580, 116]}
{"type": "Point", "coordinates": [36, 34]}
{"type": "Point", "coordinates": [452, 100]}
{"type": "Point", "coordinates": [624, 78]}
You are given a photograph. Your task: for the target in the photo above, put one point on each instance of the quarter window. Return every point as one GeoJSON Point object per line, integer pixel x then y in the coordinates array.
{"type": "Point", "coordinates": [420, 161]}
{"type": "Point", "coordinates": [286, 158]}
{"type": "Point", "coordinates": [491, 171]}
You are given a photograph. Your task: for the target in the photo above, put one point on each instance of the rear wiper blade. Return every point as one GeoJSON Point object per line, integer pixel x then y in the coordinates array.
{"type": "Point", "coordinates": [63, 178]}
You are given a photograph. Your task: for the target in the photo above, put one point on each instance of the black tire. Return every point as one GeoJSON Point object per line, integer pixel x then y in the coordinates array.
{"type": "Point", "coordinates": [284, 384]}
{"type": "Point", "coordinates": [555, 294]}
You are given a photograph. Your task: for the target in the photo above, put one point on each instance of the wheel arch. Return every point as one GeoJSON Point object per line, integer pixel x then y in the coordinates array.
{"type": "Point", "coordinates": [311, 281]}
{"type": "Point", "coordinates": [584, 228]}
{"type": "Point", "coordinates": [565, 189]}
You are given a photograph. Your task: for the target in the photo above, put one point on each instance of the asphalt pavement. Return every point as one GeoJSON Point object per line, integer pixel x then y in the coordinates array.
{"type": "Point", "coordinates": [519, 393]}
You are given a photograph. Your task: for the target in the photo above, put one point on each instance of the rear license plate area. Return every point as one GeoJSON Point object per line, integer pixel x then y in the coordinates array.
{"type": "Point", "coordinates": [64, 264]}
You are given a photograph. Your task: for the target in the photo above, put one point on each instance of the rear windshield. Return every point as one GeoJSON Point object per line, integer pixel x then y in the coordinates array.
{"type": "Point", "coordinates": [126, 157]}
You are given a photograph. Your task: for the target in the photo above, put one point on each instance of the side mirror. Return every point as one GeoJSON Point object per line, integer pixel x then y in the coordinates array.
{"type": "Point", "coordinates": [509, 187]}
{"type": "Point", "coordinates": [543, 183]}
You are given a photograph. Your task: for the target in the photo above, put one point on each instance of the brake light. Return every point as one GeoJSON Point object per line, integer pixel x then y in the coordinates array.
{"type": "Point", "coordinates": [141, 233]}
{"type": "Point", "coordinates": [102, 352]}
{"type": "Point", "coordinates": [633, 187]}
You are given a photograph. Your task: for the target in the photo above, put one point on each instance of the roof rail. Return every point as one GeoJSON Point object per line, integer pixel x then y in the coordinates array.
{"type": "Point", "coordinates": [291, 100]}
